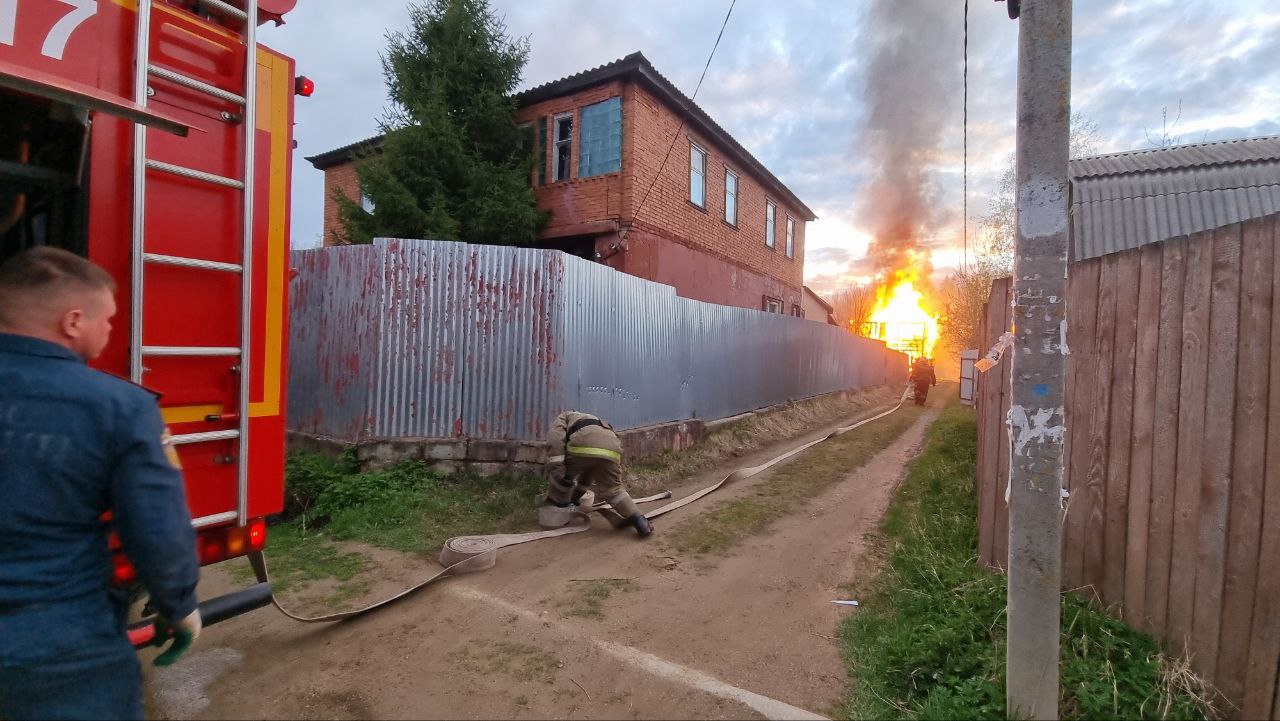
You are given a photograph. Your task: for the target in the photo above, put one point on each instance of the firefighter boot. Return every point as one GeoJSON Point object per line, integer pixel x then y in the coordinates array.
{"type": "Point", "coordinates": [558, 509]}
{"type": "Point", "coordinates": [641, 524]}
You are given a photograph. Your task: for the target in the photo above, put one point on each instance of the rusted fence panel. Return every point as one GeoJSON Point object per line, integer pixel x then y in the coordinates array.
{"type": "Point", "coordinates": [427, 339]}
{"type": "Point", "coordinates": [1173, 449]}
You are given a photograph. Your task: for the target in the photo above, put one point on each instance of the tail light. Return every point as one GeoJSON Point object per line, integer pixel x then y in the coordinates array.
{"type": "Point", "coordinates": [212, 545]}
{"type": "Point", "coordinates": [257, 534]}
{"type": "Point", "coordinates": [219, 544]}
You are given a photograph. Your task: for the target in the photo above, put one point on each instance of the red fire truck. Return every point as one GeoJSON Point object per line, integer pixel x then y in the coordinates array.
{"type": "Point", "coordinates": [155, 138]}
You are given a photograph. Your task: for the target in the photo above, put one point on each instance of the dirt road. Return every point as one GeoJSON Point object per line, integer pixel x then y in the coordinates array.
{"type": "Point", "coordinates": [591, 625]}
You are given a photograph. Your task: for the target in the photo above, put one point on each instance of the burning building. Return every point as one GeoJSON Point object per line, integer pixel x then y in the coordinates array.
{"type": "Point", "coordinates": [908, 110]}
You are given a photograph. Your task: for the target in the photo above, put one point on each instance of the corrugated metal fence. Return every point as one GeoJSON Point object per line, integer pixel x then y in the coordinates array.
{"type": "Point", "coordinates": [1173, 448]}
{"type": "Point", "coordinates": [432, 339]}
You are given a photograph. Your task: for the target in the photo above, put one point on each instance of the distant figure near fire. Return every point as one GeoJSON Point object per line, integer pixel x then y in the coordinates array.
{"type": "Point", "coordinates": [922, 376]}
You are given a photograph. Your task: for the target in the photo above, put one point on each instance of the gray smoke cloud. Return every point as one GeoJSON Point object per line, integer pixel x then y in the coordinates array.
{"type": "Point", "coordinates": [911, 87]}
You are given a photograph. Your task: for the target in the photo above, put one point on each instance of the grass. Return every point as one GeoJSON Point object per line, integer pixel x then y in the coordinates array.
{"type": "Point", "coordinates": [406, 508]}
{"type": "Point", "coordinates": [516, 660]}
{"type": "Point", "coordinates": [927, 642]}
{"type": "Point", "coordinates": [298, 557]}
{"type": "Point", "coordinates": [789, 485]}
{"type": "Point", "coordinates": [587, 600]}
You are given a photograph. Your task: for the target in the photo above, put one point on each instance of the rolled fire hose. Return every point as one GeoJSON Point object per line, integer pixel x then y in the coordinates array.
{"type": "Point", "coordinates": [467, 554]}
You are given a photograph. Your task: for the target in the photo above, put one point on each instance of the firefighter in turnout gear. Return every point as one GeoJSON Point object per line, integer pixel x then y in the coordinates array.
{"type": "Point", "coordinates": [922, 377]}
{"type": "Point", "coordinates": [583, 453]}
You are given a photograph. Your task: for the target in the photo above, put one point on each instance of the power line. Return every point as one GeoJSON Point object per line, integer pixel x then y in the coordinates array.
{"type": "Point", "coordinates": [965, 192]}
{"type": "Point", "coordinates": [676, 137]}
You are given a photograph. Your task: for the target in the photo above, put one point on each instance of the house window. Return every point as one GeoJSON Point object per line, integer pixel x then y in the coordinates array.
{"type": "Point", "coordinates": [730, 197]}
{"type": "Point", "coordinates": [697, 176]}
{"type": "Point", "coordinates": [772, 305]}
{"type": "Point", "coordinates": [791, 237]}
{"type": "Point", "coordinates": [564, 146]}
{"type": "Point", "coordinates": [600, 148]}
{"type": "Point", "coordinates": [366, 203]}
{"type": "Point", "coordinates": [797, 311]}
{"type": "Point", "coordinates": [770, 223]}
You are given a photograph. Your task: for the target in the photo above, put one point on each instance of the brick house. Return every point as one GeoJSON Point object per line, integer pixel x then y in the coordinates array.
{"type": "Point", "coordinates": [716, 224]}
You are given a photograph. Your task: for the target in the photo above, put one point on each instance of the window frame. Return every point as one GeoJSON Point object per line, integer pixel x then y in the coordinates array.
{"type": "Point", "coordinates": [770, 224]}
{"type": "Point", "coordinates": [729, 173]}
{"type": "Point", "coordinates": [770, 303]}
{"type": "Point", "coordinates": [541, 151]}
{"type": "Point", "coordinates": [791, 236]}
{"type": "Point", "coordinates": [556, 144]}
{"type": "Point", "coordinates": [702, 174]}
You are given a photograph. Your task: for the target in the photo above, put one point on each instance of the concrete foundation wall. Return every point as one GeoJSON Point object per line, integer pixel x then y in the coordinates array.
{"type": "Point", "coordinates": [491, 457]}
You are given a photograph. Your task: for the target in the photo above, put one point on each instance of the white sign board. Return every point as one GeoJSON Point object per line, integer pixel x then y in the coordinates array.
{"type": "Point", "coordinates": [967, 375]}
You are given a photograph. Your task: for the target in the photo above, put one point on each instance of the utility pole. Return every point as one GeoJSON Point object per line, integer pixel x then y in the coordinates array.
{"type": "Point", "coordinates": [1036, 412]}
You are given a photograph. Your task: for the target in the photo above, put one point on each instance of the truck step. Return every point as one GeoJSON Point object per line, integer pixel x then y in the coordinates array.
{"type": "Point", "coordinates": [206, 437]}
{"type": "Point", "coordinates": [226, 9]}
{"type": "Point", "coordinates": [193, 84]}
{"type": "Point", "coordinates": [215, 519]}
{"type": "Point", "coordinates": [181, 262]}
{"type": "Point", "coordinates": [182, 172]}
{"type": "Point", "coordinates": [181, 350]}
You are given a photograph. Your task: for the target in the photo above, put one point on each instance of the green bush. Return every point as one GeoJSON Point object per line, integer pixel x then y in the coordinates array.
{"type": "Point", "coordinates": [308, 475]}
{"type": "Point", "coordinates": [406, 507]}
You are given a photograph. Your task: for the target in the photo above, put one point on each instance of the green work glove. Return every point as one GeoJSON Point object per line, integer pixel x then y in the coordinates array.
{"type": "Point", "coordinates": [183, 633]}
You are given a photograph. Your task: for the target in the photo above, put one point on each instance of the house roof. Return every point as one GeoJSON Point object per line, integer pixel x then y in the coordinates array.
{"type": "Point", "coordinates": [1125, 200]}
{"type": "Point", "coordinates": [337, 156]}
{"type": "Point", "coordinates": [635, 67]}
{"type": "Point", "coordinates": [819, 299]}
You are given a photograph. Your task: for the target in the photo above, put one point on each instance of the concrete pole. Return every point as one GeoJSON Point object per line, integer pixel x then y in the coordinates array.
{"type": "Point", "coordinates": [1036, 409]}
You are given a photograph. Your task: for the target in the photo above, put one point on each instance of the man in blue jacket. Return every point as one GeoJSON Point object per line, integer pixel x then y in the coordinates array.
{"type": "Point", "coordinates": [75, 443]}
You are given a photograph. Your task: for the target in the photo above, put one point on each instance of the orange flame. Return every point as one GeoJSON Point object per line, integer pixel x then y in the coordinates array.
{"type": "Point", "coordinates": [901, 319]}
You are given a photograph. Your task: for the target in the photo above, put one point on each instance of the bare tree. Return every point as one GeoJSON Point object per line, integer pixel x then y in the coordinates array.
{"type": "Point", "coordinates": [996, 228]}
{"type": "Point", "coordinates": [1166, 138]}
{"type": "Point", "coordinates": [853, 306]}
{"type": "Point", "coordinates": [964, 300]}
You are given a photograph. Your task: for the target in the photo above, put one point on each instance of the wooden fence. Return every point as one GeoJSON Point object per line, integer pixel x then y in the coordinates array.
{"type": "Point", "coordinates": [1173, 448]}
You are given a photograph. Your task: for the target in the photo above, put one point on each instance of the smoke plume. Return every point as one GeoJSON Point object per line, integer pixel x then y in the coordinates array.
{"type": "Point", "coordinates": [910, 90]}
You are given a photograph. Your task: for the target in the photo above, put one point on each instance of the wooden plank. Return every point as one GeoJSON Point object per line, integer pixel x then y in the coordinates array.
{"type": "Point", "coordinates": [1120, 427]}
{"type": "Point", "coordinates": [1261, 680]}
{"type": "Point", "coordinates": [1191, 427]}
{"type": "Point", "coordinates": [1164, 456]}
{"type": "Point", "coordinates": [991, 430]}
{"type": "Point", "coordinates": [1099, 436]}
{"type": "Point", "coordinates": [1082, 317]}
{"type": "Point", "coordinates": [987, 386]}
{"type": "Point", "coordinates": [1215, 469]}
{"type": "Point", "coordinates": [1001, 536]}
{"type": "Point", "coordinates": [1144, 419]}
{"type": "Point", "coordinates": [1249, 459]}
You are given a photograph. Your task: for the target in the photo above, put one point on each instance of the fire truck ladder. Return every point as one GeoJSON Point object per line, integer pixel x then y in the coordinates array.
{"type": "Point", "coordinates": [138, 351]}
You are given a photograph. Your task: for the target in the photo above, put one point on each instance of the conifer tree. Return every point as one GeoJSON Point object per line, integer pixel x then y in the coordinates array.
{"type": "Point", "coordinates": [453, 164]}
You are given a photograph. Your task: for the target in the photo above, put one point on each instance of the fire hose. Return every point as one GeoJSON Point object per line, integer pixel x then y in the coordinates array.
{"type": "Point", "coordinates": [469, 554]}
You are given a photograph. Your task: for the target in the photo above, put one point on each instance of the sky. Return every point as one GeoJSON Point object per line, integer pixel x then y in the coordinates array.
{"type": "Point", "coordinates": [790, 81]}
